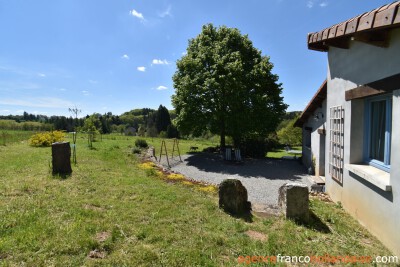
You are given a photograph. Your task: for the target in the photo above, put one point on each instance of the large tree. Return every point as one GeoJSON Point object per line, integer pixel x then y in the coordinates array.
{"type": "Point", "coordinates": [225, 85]}
{"type": "Point", "coordinates": [163, 120]}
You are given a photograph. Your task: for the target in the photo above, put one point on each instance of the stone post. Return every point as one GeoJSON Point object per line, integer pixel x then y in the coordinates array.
{"type": "Point", "coordinates": [61, 158]}
{"type": "Point", "coordinates": [293, 201]}
{"type": "Point", "coordinates": [233, 197]}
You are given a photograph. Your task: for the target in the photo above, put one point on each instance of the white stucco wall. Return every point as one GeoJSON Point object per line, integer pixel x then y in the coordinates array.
{"type": "Point", "coordinates": [376, 209]}
{"type": "Point", "coordinates": [316, 146]}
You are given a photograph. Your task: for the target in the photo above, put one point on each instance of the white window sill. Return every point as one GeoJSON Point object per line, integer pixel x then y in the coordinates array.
{"type": "Point", "coordinates": [375, 176]}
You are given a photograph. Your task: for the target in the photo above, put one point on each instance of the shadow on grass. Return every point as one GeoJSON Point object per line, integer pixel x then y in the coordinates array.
{"type": "Point", "coordinates": [61, 176]}
{"type": "Point", "coordinates": [247, 216]}
{"type": "Point", "coordinates": [314, 223]}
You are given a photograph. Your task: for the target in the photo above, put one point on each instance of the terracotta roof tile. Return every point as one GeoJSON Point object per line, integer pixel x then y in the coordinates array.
{"type": "Point", "coordinates": [387, 16]}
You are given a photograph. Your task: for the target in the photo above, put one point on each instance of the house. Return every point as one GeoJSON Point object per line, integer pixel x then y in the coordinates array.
{"type": "Point", "coordinates": [353, 129]}
{"type": "Point", "coordinates": [313, 122]}
{"type": "Point", "coordinates": [130, 131]}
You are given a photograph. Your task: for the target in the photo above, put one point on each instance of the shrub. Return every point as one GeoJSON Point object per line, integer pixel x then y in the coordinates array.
{"type": "Point", "coordinates": [255, 147]}
{"type": "Point", "coordinates": [141, 143]}
{"type": "Point", "coordinates": [136, 150]}
{"type": "Point", "coordinates": [46, 138]}
{"type": "Point", "coordinates": [163, 134]}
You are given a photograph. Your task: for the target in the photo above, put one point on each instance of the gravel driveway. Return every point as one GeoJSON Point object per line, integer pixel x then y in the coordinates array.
{"type": "Point", "coordinates": [261, 177]}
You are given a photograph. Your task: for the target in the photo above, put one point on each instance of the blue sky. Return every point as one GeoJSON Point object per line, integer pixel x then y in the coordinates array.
{"type": "Point", "coordinates": [102, 55]}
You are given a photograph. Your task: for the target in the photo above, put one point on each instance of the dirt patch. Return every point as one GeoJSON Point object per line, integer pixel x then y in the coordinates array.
{"type": "Point", "coordinates": [321, 196]}
{"type": "Point", "coordinates": [256, 235]}
{"type": "Point", "coordinates": [93, 207]}
{"type": "Point", "coordinates": [97, 254]}
{"type": "Point", "coordinates": [265, 211]}
{"type": "Point", "coordinates": [103, 236]}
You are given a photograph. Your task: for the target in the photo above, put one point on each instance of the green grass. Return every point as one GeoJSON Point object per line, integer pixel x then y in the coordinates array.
{"type": "Point", "coordinates": [144, 221]}
{"type": "Point", "coordinates": [279, 153]}
{"type": "Point", "coordinates": [8, 137]}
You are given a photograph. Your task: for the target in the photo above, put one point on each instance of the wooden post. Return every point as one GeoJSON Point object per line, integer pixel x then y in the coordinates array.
{"type": "Point", "coordinates": [61, 158]}
{"type": "Point", "coordinates": [166, 152]}
{"type": "Point", "coordinates": [176, 143]}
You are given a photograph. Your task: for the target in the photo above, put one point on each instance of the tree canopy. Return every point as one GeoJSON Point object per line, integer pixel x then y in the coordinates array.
{"type": "Point", "coordinates": [288, 134]}
{"type": "Point", "coordinates": [225, 85]}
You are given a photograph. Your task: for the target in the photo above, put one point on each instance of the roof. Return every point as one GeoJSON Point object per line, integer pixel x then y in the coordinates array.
{"type": "Point", "coordinates": [316, 102]}
{"type": "Point", "coordinates": [370, 27]}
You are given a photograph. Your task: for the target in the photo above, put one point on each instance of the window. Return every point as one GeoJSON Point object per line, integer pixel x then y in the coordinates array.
{"type": "Point", "coordinates": [378, 132]}
{"type": "Point", "coordinates": [336, 143]}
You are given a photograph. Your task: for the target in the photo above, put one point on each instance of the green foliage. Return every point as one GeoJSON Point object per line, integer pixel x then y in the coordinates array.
{"type": "Point", "coordinates": [172, 132]}
{"type": "Point", "coordinates": [136, 150]}
{"type": "Point", "coordinates": [141, 131]}
{"type": "Point", "coordinates": [46, 138]}
{"type": "Point", "coordinates": [24, 126]}
{"type": "Point", "coordinates": [289, 134]}
{"type": "Point", "coordinates": [255, 147]}
{"type": "Point", "coordinates": [92, 124]}
{"type": "Point", "coordinates": [163, 134]}
{"type": "Point", "coordinates": [141, 143]}
{"type": "Point", "coordinates": [163, 120]}
{"type": "Point", "coordinates": [222, 82]}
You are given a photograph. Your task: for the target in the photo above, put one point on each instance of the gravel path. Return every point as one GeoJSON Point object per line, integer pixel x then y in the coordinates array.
{"type": "Point", "coordinates": [261, 177]}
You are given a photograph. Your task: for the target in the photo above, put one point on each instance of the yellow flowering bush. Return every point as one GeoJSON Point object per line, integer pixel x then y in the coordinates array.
{"type": "Point", "coordinates": [188, 183]}
{"type": "Point", "coordinates": [175, 176]}
{"type": "Point", "coordinates": [208, 189]}
{"type": "Point", "coordinates": [148, 165]}
{"type": "Point", "coordinates": [46, 138]}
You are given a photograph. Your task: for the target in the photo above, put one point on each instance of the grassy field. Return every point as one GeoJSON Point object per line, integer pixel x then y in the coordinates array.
{"type": "Point", "coordinates": [10, 136]}
{"type": "Point", "coordinates": [279, 153]}
{"type": "Point", "coordinates": [110, 212]}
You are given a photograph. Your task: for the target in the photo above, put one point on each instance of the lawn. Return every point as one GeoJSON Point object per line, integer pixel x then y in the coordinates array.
{"type": "Point", "coordinates": [13, 136]}
{"type": "Point", "coordinates": [281, 152]}
{"type": "Point", "coordinates": [111, 212]}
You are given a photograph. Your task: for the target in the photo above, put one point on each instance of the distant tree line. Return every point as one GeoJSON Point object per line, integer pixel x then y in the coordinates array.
{"type": "Point", "coordinates": [144, 122]}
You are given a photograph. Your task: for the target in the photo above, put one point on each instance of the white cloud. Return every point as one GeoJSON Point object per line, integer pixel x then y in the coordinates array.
{"type": "Point", "coordinates": [142, 69]}
{"type": "Point", "coordinates": [162, 87]}
{"type": "Point", "coordinates": [323, 4]}
{"type": "Point", "coordinates": [125, 57]}
{"type": "Point", "coordinates": [184, 53]}
{"type": "Point", "coordinates": [41, 75]}
{"type": "Point", "coordinates": [310, 4]}
{"type": "Point", "coordinates": [160, 62]}
{"type": "Point", "coordinates": [166, 13]}
{"type": "Point", "coordinates": [137, 15]}
{"type": "Point", "coordinates": [41, 102]}
{"type": "Point", "coordinates": [84, 92]}
{"type": "Point", "coordinates": [63, 89]}
{"type": "Point", "coordinates": [93, 82]}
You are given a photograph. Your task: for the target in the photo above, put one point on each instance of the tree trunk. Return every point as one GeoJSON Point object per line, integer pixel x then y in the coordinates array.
{"type": "Point", "coordinates": [61, 158]}
{"type": "Point", "coordinates": [222, 140]}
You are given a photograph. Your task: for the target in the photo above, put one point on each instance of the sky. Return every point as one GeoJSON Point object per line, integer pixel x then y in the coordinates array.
{"type": "Point", "coordinates": [114, 56]}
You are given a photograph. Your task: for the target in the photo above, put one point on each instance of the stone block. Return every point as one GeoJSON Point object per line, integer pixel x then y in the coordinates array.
{"type": "Point", "coordinates": [293, 201]}
{"type": "Point", "coordinates": [233, 197]}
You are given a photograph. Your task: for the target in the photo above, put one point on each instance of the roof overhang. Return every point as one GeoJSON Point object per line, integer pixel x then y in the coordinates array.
{"type": "Point", "coordinates": [316, 102]}
{"type": "Point", "coordinates": [371, 27]}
